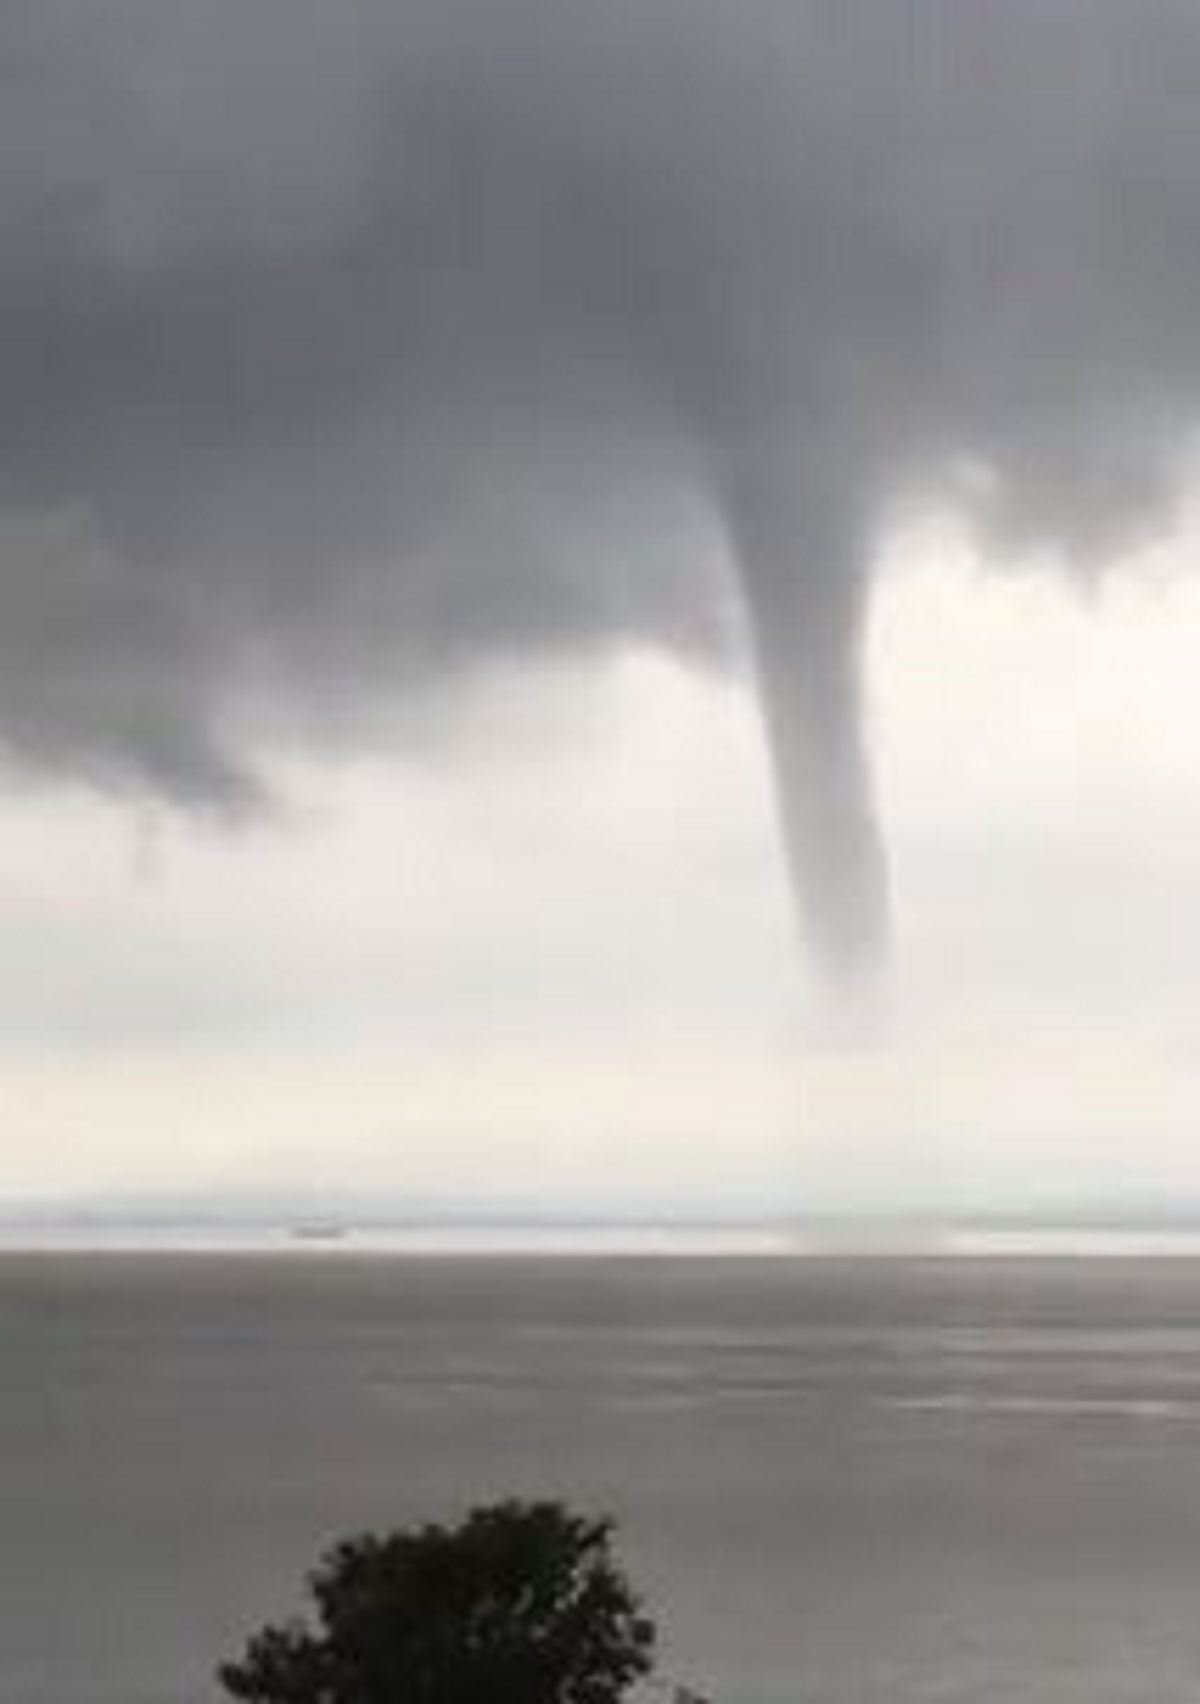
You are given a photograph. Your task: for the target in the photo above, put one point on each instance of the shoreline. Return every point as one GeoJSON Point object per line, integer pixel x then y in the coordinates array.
{"type": "Point", "coordinates": [586, 1242]}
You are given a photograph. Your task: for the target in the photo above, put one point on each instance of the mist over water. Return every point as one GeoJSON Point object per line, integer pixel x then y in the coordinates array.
{"type": "Point", "coordinates": [345, 354]}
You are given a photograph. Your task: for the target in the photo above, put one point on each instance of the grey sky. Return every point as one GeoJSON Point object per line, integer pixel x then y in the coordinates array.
{"type": "Point", "coordinates": [556, 963]}
{"type": "Point", "coordinates": [353, 359]}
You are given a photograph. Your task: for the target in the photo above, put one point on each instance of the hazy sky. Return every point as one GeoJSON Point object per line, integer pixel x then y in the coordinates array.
{"type": "Point", "coordinates": [505, 504]}
{"type": "Point", "coordinates": [558, 959]}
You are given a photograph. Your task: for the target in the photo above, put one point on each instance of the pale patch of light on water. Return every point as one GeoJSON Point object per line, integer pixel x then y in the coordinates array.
{"type": "Point", "coordinates": [971, 1402]}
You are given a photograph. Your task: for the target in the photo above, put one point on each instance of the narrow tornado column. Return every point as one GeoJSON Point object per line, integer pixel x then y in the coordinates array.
{"type": "Point", "coordinates": [795, 539]}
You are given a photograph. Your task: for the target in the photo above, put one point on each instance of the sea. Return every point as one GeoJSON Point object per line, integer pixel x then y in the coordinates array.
{"type": "Point", "coordinates": [885, 1480]}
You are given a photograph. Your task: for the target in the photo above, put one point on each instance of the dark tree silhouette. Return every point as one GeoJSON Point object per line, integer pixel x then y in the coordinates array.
{"type": "Point", "coordinates": [522, 1603]}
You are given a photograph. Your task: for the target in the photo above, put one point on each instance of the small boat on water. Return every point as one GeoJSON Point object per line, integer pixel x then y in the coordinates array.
{"type": "Point", "coordinates": [318, 1231]}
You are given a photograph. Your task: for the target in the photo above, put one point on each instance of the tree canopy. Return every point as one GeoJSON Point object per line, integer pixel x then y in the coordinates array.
{"type": "Point", "coordinates": [521, 1603]}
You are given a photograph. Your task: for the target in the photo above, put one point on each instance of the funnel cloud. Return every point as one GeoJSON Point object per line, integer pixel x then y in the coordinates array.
{"type": "Point", "coordinates": [347, 351]}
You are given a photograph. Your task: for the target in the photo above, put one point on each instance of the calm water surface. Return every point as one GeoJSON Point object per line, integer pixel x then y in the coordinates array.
{"type": "Point", "coordinates": [837, 1482]}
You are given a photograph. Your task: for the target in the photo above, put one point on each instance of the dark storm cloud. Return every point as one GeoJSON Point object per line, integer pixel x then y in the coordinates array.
{"type": "Point", "coordinates": [348, 348]}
